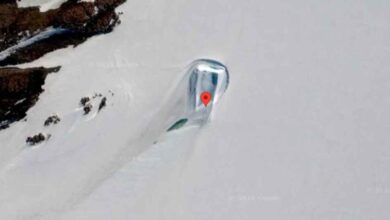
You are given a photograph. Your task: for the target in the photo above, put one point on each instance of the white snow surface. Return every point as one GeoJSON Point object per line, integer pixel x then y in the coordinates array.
{"type": "Point", "coordinates": [44, 5]}
{"type": "Point", "coordinates": [301, 132]}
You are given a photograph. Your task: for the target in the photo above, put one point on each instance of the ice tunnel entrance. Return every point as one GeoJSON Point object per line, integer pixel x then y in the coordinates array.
{"type": "Point", "coordinates": [202, 76]}
{"type": "Point", "coordinates": [210, 76]}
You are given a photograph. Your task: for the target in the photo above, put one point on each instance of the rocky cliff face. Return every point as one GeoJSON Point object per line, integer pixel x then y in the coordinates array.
{"type": "Point", "coordinates": [19, 90]}
{"type": "Point", "coordinates": [74, 21]}
{"type": "Point", "coordinates": [26, 34]}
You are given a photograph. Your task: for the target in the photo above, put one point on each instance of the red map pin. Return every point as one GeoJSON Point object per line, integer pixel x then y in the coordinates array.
{"type": "Point", "coordinates": [205, 97]}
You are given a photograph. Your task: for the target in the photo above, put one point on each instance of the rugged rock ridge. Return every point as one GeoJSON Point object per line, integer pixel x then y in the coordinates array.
{"type": "Point", "coordinates": [75, 21]}
{"type": "Point", "coordinates": [24, 37]}
{"type": "Point", "coordinates": [19, 90]}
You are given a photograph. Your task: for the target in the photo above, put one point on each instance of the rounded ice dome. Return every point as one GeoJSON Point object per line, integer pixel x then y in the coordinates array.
{"type": "Point", "coordinates": [206, 76]}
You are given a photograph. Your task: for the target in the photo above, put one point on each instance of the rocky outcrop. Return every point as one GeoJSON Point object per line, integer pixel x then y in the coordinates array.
{"type": "Point", "coordinates": [54, 119]}
{"type": "Point", "coordinates": [19, 90]}
{"type": "Point", "coordinates": [70, 24]}
{"type": "Point", "coordinates": [36, 139]}
{"type": "Point", "coordinates": [76, 20]}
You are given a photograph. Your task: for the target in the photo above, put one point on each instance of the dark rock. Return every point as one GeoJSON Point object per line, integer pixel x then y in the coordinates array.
{"type": "Point", "coordinates": [19, 90]}
{"type": "Point", "coordinates": [4, 124]}
{"type": "Point", "coordinates": [36, 139]}
{"type": "Point", "coordinates": [12, 2]}
{"type": "Point", "coordinates": [54, 119]}
{"type": "Point", "coordinates": [40, 48]}
{"type": "Point", "coordinates": [78, 20]}
{"type": "Point", "coordinates": [84, 101]}
{"type": "Point", "coordinates": [97, 95]}
{"type": "Point", "coordinates": [87, 108]}
{"type": "Point", "coordinates": [102, 103]}
{"type": "Point", "coordinates": [74, 15]}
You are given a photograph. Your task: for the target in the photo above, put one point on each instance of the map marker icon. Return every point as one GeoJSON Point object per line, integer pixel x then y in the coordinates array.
{"type": "Point", "coordinates": [205, 97]}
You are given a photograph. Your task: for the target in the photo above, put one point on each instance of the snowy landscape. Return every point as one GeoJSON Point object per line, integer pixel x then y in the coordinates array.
{"type": "Point", "coordinates": [297, 127]}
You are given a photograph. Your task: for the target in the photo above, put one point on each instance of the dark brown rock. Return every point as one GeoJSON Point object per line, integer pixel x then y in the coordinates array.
{"type": "Point", "coordinates": [38, 49]}
{"type": "Point", "coordinates": [84, 101]}
{"type": "Point", "coordinates": [87, 108]}
{"type": "Point", "coordinates": [19, 90]}
{"type": "Point", "coordinates": [12, 2]}
{"type": "Point", "coordinates": [74, 16]}
{"type": "Point", "coordinates": [77, 20]}
{"type": "Point", "coordinates": [103, 103]}
{"type": "Point", "coordinates": [36, 139]}
{"type": "Point", "coordinates": [54, 119]}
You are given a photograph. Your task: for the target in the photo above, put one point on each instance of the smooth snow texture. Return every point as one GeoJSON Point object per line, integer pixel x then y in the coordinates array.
{"type": "Point", "coordinates": [301, 133]}
{"type": "Point", "coordinates": [44, 5]}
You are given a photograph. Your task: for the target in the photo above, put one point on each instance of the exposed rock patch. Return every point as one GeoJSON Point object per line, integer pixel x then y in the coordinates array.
{"type": "Point", "coordinates": [36, 139]}
{"type": "Point", "coordinates": [54, 119]}
{"type": "Point", "coordinates": [87, 108]}
{"type": "Point", "coordinates": [102, 103]}
{"type": "Point", "coordinates": [84, 100]}
{"type": "Point", "coordinates": [88, 103]}
{"type": "Point", "coordinates": [19, 90]}
{"type": "Point", "coordinates": [85, 103]}
{"type": "Point", "coordinates": [97, 95]}
{"type": "Point", "coordinates": [72, 23]}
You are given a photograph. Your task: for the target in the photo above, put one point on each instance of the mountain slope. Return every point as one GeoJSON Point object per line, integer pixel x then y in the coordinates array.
{"type": "Point", "coordinates": [300, 134]}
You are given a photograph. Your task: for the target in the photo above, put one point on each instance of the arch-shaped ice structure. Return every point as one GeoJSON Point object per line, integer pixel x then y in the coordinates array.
{"type": "Point", "coordinates": [202, 75]}
{"type": "Point", "coordinates": [206, 75]}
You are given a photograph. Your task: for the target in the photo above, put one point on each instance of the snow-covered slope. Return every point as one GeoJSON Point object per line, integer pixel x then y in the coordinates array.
{"type": "Point", "coordinates": [302, 132]}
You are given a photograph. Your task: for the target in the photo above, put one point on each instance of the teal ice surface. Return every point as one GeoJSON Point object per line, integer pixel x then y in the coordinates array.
{"type": "Point", "coordinates": [178, 124]}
